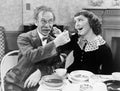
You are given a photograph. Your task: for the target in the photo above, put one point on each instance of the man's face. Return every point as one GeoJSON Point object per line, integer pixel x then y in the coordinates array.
{"type": "Point", "coordinates": [45, 22]}
{"type": "Point", "coordinates": [82, 25]}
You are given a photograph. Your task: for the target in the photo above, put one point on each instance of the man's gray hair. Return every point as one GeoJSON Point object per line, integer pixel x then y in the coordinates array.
{"type": "Point", "coordinates": [42, 9]}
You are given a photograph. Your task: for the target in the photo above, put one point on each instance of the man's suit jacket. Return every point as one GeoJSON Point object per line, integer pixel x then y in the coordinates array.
{"type": "Point", "coordinates": [33, 56]}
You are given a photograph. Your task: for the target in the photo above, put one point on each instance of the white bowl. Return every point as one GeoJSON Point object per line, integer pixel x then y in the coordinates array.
{"type": "Point", "coordinates": [52, 81]}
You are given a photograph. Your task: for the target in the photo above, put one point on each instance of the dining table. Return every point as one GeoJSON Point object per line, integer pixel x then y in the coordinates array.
{"type": "Point", "coordinates": [98, 82]}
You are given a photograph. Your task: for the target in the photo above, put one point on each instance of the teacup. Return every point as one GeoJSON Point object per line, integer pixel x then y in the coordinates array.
{"type": "Point", "coordinates": [60, 72]}
{"type": "Point", "coordinates": [116, 75]}
{"type": "Point", "coordinates": [99, 86]}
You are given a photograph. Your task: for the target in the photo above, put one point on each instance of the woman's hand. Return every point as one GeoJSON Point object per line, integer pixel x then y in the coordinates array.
{"type": "Point", "coordinates": [56, 31]}
{"type": "Point", "coordinates": [33, 79]}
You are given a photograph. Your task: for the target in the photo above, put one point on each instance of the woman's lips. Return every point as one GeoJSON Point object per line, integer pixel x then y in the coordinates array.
{"type": "Point", "coordinates": [80, 29]}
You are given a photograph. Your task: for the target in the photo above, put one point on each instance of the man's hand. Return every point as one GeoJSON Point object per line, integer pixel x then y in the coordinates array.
{"type": "Point", "coordinates": [62, 39]}
{"type": "Point", "coordinates": [33, 79]}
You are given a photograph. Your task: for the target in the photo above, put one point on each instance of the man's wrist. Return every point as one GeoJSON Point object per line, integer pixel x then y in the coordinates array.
{"type": "Point", "coordinates": [56, 43]}
{"type": "Point", "coordinates": [38, 71]}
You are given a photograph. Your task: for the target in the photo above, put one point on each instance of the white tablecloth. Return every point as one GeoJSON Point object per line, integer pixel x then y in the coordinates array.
{"type": "Point", "coordinates": [96, 83]}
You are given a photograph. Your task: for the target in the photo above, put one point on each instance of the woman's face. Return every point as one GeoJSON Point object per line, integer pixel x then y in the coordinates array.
{"type": "Point", "coordinates": [82, 25]}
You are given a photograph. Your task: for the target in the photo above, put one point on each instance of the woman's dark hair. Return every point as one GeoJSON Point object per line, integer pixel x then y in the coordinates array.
{"type": "Point", "coordinates": [93, 20]}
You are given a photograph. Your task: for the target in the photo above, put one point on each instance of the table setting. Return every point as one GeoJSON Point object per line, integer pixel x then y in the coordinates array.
{"type": "Point", "coordinates": [79, 80]}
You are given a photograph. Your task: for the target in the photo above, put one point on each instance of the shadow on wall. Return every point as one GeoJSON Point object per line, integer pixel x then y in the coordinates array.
{"type": "Point", "coordinates": [11, 40]}
{"type": "Point", "coordinates": [11, 36]}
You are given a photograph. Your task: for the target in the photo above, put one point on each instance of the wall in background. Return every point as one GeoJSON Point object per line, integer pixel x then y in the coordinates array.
{"type": "Point", "coordinates": [15, 12]}
{"type": "Point", "coordinates": [64, 9]}
{"type": "Point", "coordinates": [10, 14]}
{"type": "Point", "coordinates": [11, 19]}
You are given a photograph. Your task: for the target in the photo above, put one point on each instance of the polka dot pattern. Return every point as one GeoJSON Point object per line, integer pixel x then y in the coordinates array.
{"type": "Point", "coordinates": [94, 45]}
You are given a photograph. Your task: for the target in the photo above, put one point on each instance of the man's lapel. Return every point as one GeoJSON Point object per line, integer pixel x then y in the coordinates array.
{"type": "Point", "coordinates": [50, 38]}
{"type": "Point", "coordinates": [36, 39]}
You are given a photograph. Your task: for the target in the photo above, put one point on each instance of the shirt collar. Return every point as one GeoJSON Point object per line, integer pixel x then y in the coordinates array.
{"type": "Point", "coordinates": [95, 43]}
{"type": "Point", "coordinates": [40, 35]}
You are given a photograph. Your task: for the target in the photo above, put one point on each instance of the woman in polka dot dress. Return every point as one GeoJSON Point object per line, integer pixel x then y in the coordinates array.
{"type": "Point", "coordinates": [90, 50]}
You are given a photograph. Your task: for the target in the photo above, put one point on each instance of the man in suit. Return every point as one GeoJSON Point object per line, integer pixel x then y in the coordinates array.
{"type": "Point", "coordinates": [38, 53]}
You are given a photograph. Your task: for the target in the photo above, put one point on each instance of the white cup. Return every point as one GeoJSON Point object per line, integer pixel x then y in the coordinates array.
{"type": "Point", "coordinates": [116, 75]}
{"type": "Point", "coordinates": [61, 72]}
{"type": "Point", "coordinates": [99, 86]}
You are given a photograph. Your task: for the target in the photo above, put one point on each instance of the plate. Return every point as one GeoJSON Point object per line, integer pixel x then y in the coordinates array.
{"type": "Point", "coordinates": [81, 72]}
{"type": "Point", "coordinates": [80, 75]}
{"type": "Point", "coordinates": [71, 80]}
